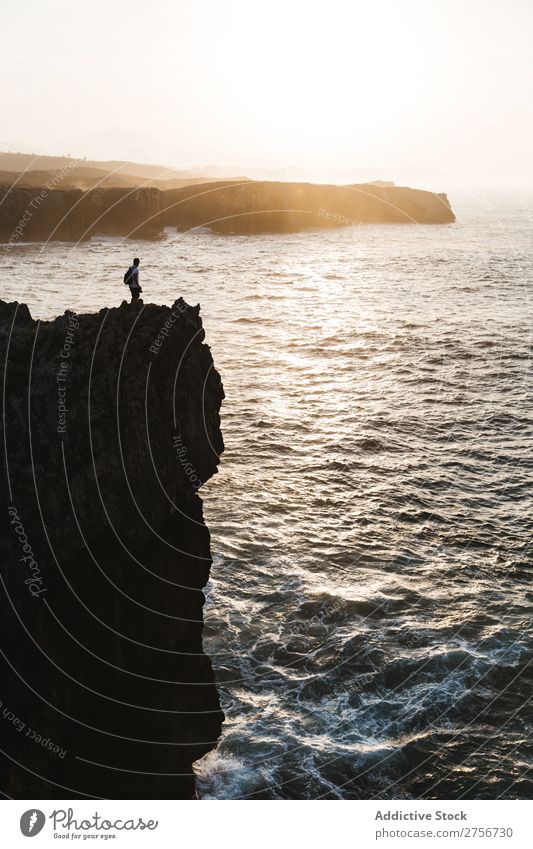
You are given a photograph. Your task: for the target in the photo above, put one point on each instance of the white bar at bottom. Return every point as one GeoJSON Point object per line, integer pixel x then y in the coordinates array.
{"type": "Point", "coordinates": [268, 825]}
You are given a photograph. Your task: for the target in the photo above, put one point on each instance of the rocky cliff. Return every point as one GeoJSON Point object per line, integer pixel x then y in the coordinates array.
{"type": "Point", "coordinates": [111, 424]}
{"type": "Point", "coordinates": [33, 214]}
{"type": "Point", "coordinates": [257, 207]}
{"type": "Point", "coordinates": [48, 213]}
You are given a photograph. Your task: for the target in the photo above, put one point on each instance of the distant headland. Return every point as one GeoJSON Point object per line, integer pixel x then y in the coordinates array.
{"type": "Point", "coordinates": [69, 200]}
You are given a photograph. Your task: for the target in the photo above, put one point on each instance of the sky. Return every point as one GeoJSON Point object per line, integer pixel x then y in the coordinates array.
{"type": "Point", "coordinates": [438, 88]}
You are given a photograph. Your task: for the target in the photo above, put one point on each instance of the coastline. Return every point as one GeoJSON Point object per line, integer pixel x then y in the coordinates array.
{"type": "Point", "coordinates": [243, 208]}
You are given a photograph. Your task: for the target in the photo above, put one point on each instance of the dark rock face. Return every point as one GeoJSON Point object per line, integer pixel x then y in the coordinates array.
{"type": "Point", "coordinates": [111, 423]}
{"type": "Point", "coordinates": [28, 214]}
{"type": "Point", "coordinates": [35, 215]}
{"type": "Point", "coordinates": [258, 207]}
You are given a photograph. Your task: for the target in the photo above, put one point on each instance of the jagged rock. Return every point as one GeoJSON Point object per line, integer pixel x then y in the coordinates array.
{"type": "Point", "coordinates": [111, 422]}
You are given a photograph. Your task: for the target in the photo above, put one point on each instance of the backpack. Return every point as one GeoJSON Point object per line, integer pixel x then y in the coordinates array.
{"type": "Point", "coordinates": [127, 276]}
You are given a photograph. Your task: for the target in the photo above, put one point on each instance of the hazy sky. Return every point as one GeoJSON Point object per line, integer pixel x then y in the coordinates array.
{"type": "Point", "coordinates": [330, 86]}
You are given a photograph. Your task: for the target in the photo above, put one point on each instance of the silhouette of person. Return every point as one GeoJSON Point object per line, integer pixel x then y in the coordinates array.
{"type": "Point", "coordinates": [135, 287]}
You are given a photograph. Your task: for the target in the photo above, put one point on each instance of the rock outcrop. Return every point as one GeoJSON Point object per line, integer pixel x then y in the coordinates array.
{"type": "Point", "coordinates": [257, 207]}
{"type": "Point", "coordinates": [111, 423]}
{"type": "Point", "coordinates": [32, 214]}
{"type": "Point", "coordinates": [35, 215]}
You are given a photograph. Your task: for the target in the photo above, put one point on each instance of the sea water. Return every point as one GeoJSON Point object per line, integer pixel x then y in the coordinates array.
{"type": "Point", "coordinates": [369, 609]}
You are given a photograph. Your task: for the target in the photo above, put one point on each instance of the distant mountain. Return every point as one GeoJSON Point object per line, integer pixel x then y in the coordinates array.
{"type": "Point", "coordinates": [27, 169]}
{"type": "Point", "coordinates": [134, 170]}
{"type": "Point", "coordinates": [42, 162]}
{"type": "Point", "coordinates": [14, 146]}
{"type": "Point", "coordinates": [115, 143]}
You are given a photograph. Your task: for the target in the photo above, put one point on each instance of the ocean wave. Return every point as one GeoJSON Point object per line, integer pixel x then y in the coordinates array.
{"type": "Point", "coordinates": [370, 523]}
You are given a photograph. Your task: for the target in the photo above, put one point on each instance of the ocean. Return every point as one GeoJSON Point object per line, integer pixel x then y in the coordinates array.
{"type": "Point", "coordinates": [369, 609]}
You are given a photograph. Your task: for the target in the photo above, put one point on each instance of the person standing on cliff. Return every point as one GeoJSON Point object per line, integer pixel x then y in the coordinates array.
{"type": "Point", "coordinates": [132, 279]}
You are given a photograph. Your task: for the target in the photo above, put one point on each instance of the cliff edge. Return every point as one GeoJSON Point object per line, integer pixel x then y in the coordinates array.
{"type": "Point", "coordinates": [31, 214]}
{"type": "Point", "coordinates": [111, 424]}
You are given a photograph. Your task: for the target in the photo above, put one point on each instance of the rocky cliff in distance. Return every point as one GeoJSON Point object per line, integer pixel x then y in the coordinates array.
{"type": "Point", "coordinates": [42, 214]}
{"type": "Point", "coordinates": [257, 207]}
{"type": "Point", "coordinates": [33, 214]}
{"type": "Point", "coordinates": [111, 424]}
